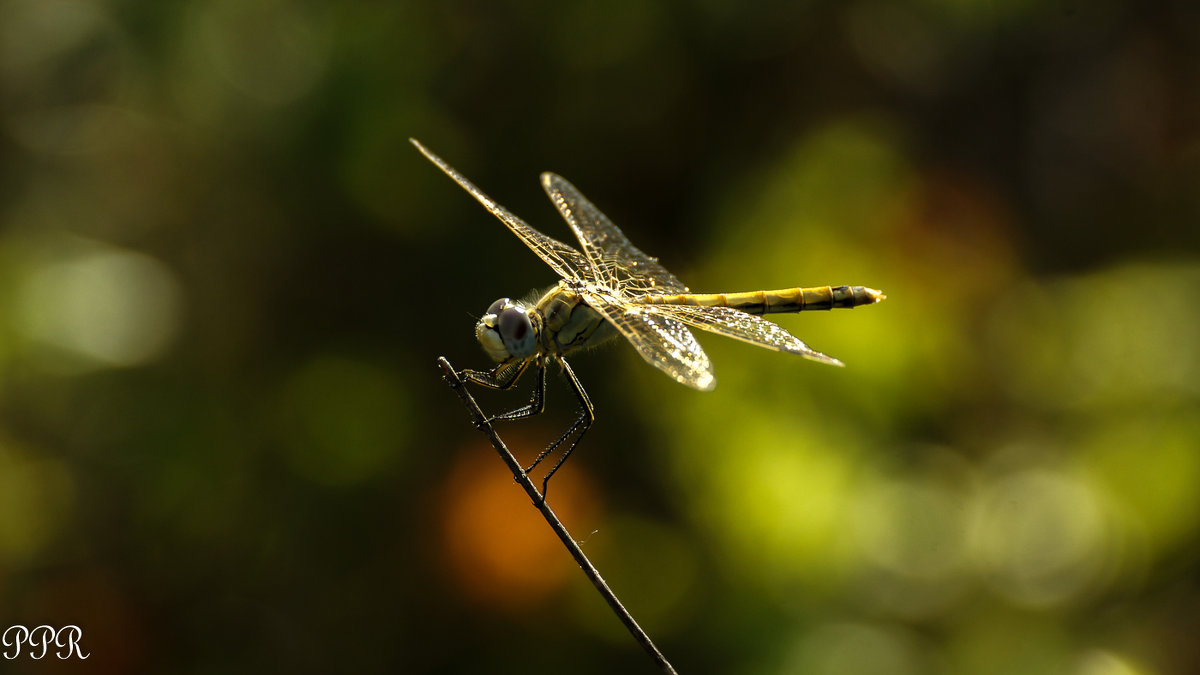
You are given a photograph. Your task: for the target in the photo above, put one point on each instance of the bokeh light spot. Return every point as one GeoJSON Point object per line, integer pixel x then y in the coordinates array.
{"type": "Point", "coordinates": [105, 305]}
{"type": "Point", "coordinates": [34, 31]}
{"type": "Point", "coordinates": [854, 649]}
{"type": "Point", "coordinates": [1101, 662]}
{"type": "Point", "coordinates": [912, 537]}
{"type": "Point", "coordinates": [778, 501]}
{"type": "Point", "coordinates": [1106, 338]}
{"type": "Point", "coordinates": [1040, 536]}
{"type": "Point", "coordinates": [1150, 466]}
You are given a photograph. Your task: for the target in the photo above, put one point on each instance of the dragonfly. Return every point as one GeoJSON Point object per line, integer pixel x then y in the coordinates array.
{"type": "Point", "coordinates": [610, 288]}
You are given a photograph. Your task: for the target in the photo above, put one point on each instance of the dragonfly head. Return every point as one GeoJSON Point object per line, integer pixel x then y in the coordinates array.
{"type": "Point", "coordinates": [506, 331]}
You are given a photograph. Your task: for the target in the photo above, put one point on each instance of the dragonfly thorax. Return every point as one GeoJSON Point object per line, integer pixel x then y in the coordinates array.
{"type": "Point", "coordinates": [506, 331]}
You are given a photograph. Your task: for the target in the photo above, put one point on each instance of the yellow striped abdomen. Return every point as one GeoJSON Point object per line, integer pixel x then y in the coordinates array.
{"type": "Point", "coordinates": [777, 301]}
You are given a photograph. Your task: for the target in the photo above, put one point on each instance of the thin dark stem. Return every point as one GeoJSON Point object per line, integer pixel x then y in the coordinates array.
{"type": "Point", "coordinates": [540, 504]}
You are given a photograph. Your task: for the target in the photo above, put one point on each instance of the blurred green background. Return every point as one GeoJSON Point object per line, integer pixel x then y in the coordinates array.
{"type": "Point", "coordinates": [225, 276]}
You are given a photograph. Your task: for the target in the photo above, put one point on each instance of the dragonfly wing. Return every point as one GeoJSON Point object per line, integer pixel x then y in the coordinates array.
{"type": "Point", "coordinates": [741, 326]}
{"type": "Point", "coordinates": [662, 341]}
{"type": "Point", "coordinates": [566, 261]}
{"type": "Point", "coordinates": [615, 262]}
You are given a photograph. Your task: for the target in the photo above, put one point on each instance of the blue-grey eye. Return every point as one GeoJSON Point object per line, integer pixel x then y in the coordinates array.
{"type": "Point", "coordinates": [517, 331]}
{"type": "Point", "coordinates": [514, 324]}
{"type": "Point", "coordinates": [498, 305]}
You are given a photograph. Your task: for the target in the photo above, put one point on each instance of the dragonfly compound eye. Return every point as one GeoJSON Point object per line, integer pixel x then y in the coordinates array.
{"type": "Point", "coordinates": [517, 331]}
{"type": "Point", "coordinates": [498, 306]}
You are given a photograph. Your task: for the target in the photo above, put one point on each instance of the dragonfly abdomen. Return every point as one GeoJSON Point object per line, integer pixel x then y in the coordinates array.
{"type": "Point", "coordinates": [777, 301]}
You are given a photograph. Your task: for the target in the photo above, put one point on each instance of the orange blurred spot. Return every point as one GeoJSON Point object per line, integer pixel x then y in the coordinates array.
{"type": "Point", "coordinates": [497, 546]}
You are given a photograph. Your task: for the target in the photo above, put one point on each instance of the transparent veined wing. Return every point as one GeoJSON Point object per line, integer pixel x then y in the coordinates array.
{"type": "Point", "coordinates": [565, 260]}
{"type": "Point", "coordinates": [662, 341]}
{"type": "Point", "coordinates": [615, 261]}
{"type": "Point", "coordinates": [739, 325]}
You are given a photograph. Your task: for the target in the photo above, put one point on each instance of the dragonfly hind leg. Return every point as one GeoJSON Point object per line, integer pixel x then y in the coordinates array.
{"type": "Point", "coordinates": [581, 424]}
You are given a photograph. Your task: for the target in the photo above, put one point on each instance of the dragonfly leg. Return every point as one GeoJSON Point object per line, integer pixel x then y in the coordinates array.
{"type": "Point", "coordinates": [537, 402]}
{"type": "Point", "coordinates": [586, 416]}
{"type": "Point", "coordinates": [502, 377]}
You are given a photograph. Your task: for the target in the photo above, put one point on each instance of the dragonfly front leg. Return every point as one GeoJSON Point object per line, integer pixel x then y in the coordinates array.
{"type": "Point", "coordinates": [537, 402]}
{"type": "Point", "coordinates": [586, 416]}
{"type": "Point", "coordinates": [502, 377]}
